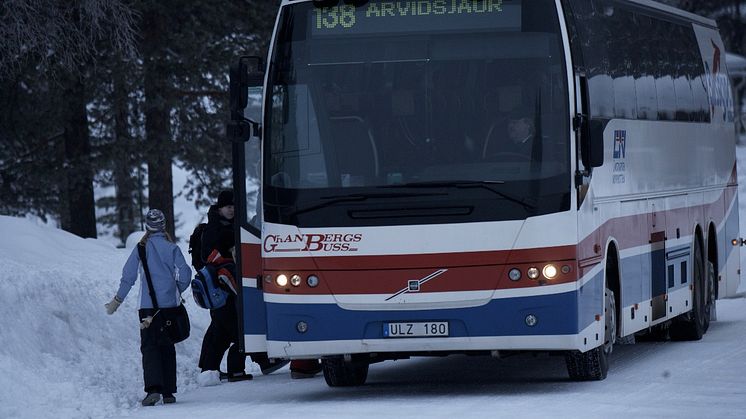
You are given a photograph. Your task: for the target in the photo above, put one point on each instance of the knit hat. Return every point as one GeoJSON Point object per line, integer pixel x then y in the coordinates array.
{"type": "Point", "coordinates": [155, 221]}
{"type": "Point", "coordinates": [225, 198]}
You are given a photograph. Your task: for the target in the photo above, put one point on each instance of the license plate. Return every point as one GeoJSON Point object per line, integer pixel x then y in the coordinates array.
{"type": "Point", "coordinates": [415, 329]}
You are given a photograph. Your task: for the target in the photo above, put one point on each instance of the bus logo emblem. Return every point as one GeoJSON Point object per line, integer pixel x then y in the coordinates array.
{"type": "Point", "coordinates": [620, 144]}
{"type": "Point", "coordinates": [413, 285]}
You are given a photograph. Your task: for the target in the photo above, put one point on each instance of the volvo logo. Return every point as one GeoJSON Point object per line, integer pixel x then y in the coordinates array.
{"type": "Point", "coordinates": [414, 285]}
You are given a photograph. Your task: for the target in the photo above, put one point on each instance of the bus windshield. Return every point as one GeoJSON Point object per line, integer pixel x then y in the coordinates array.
{"type": "Point", "coordinates": [400, 96]}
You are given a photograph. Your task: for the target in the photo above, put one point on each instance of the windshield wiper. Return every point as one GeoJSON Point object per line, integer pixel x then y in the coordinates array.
{"type": "Point", "coordinates": [484, 184]}
{"type": "Point", "coordinates": [355, 197]}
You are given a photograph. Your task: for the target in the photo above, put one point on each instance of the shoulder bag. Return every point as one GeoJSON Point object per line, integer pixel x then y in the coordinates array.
{"type": "Point", "coordinates": [175, 320]}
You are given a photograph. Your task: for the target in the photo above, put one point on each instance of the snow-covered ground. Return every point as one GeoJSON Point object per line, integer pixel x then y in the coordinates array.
{"type": "Point", "coordinates": [62, 357]}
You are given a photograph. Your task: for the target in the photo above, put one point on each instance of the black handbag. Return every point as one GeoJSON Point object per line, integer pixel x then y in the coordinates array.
{"type": "Point", "coordinates": [174, 320]}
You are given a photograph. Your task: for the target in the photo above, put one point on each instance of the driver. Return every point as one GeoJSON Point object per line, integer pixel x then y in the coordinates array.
{"type": "Point", "coordinates": [520, 133]}
{"type": "Point", "coordinates": [514, 136]}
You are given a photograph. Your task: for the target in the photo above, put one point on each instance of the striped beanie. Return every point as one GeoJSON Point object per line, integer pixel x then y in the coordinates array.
{"type": "Point", "coordinates": [155, 220]}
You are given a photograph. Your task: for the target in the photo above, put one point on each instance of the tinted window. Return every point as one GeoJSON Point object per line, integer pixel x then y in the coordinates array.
{"type": "Point", "coordinates": [639, 66]}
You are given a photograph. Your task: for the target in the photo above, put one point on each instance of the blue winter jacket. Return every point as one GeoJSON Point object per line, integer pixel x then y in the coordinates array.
{"type": "Point", "coordinates": [168, 270]}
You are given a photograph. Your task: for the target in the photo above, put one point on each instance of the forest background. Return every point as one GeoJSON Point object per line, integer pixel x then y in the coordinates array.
{"type": "Point", "coordinates": [111, 94]}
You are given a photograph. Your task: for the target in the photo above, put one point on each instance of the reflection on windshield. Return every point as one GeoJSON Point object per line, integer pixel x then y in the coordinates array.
{"type": "Point", "coordinates": [371, 109]}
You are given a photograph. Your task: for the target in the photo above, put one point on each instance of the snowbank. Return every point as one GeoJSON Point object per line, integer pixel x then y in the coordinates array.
{"type": "Point", "coordinates": [62, 356]}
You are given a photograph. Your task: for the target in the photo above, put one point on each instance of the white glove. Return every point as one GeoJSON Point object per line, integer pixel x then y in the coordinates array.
{"type": "Point", "coordinates": [113, 305]}
{"type": "Point", "coordinates": [145, 323]}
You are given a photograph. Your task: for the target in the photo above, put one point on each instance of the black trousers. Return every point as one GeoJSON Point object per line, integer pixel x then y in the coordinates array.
{"type": "Point", "coordinates": [158, 357]}
{"type": "Point", "coordinates": [222, 335]}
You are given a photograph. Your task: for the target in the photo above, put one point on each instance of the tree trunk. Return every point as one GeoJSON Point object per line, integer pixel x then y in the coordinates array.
{"type": "Point", "coordinates": [125, 182]}
{"type": "Point", "coordinates": [78, 213]}
{"type": "Point", "coordinates": [159, 148]}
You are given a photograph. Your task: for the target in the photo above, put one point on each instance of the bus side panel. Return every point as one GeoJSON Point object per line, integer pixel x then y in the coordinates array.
{"type": "Point", "coordinates": [254, 308]}
{"type": "Point", "coordinates": [720, 93]}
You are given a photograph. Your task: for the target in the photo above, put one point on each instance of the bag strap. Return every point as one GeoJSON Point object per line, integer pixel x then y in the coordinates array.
{"type": "Point", "coordinates": [144, 260]}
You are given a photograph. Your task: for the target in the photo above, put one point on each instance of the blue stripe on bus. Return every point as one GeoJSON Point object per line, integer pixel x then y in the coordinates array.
{"type": "Point", "coordinates": [557, 315]}
{"type": "Point", "coordinates": [254, 313]}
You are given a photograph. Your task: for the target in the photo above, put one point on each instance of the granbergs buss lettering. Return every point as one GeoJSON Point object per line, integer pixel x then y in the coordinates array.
{"type": "Point", "coordinates": [311, 242]}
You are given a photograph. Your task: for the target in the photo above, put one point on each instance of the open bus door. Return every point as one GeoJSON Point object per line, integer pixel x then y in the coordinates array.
{"type": "Point", "coordinates": [244, 131]}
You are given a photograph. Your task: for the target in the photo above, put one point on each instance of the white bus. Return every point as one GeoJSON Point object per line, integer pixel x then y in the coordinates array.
{"type": "Point", "coordinates": [484, 177]}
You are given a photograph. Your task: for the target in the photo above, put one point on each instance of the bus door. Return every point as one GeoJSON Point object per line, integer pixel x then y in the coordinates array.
{"type": "Point", "coordinates": [658, 281]}
{"type": "Point", "coordinates": [244, 130]}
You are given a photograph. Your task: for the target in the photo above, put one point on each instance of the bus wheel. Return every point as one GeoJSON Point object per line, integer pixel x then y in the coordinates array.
{"type": "Point", "coordinates": [693, 325]}
{"type": "Point", "coordinates": [709, 294]}
{"type": "Point", "coordinates": [339, 373]}
{"type": "Point", "coordinates": [594, 364]}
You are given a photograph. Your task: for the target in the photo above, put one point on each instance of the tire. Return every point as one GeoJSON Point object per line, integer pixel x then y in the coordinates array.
{"type": "Point", "coordinates": [694, 324]}
{"type": "Point", "coordinates": [709, 294]}
{"type": "Point", "coordinates": [339, 373]}
{"type": "Point", "coordinates": [594, 364]}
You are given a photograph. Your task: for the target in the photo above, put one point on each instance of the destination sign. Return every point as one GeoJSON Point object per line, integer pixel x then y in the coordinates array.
{"type": "Point", "coordinates": [385, 17]}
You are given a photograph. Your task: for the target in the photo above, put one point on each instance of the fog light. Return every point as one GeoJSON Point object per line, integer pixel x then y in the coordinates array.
{"type": "Point", "coordinates": [531, 320]}
{"type": "Point", "coordinates": [532, 272]}
{"type": "Point", "coordinates": [514, 274]}
{"type": "Point", "coordinates": [312, 281]}
{"type": "Point", "coordinates": [282, 280]}
{"type": "Point", "coordinates": [549, 271]}
{"type": "Point", "coordinates": [301, 327]}
{"type": "Point", "coordinates": [295, 280]}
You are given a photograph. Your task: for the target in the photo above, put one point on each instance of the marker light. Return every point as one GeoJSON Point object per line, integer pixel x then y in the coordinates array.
{"type": "Point", "coordinates": [312, 281]}
{"type": "Point", "coordinates": [301, 327]}
{"type": "Point", "coordinates": [532, 272]}
{"type": "Point", "coordinates": [549, 271]}
{"type": "Point", "coordinates": [565, 269]}
{"type": "Point", "coordinates": [282, 280]}
{"type": "Point", "coordinates": [295, 280]}
{"type": "Point", "coordinates": [531, 320]}
{"type": "Point", "coordinates": [514, 274]}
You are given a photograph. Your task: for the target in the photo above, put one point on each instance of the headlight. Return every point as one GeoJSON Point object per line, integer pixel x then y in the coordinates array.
{"type": "Point", "coordinates": [295, 280]}
{"type": "Point", "coordinates": [549, 271]}
{"type": "Point", "coordinates": [514, 274]}
{"type": "Point", "coordinates": [532, 272]}
{"type": "Point", "coordinates": [282, 280]}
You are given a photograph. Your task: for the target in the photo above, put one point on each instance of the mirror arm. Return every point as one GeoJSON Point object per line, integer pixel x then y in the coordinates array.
{"type": "Point", "coordinates": [243, 129]}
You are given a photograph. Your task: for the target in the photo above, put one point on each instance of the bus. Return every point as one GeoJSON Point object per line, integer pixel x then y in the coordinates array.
{"type": "Point", "coordinates": [482, 177]}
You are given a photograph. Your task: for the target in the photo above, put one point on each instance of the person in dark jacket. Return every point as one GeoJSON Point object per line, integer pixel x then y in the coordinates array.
{"type": "Point", "coordinates": [170, 276]}
{"type": "Point", "coordinates": [222, 334]}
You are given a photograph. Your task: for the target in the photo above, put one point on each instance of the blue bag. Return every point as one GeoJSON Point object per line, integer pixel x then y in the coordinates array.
{"type": "Point", "coordinates": [206, 290]}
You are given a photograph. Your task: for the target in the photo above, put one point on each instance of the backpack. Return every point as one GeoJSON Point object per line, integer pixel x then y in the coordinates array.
{"type": "Point", "coordinates": [206, 288]}
{"type": "Point", "coordinates": [195, 246]}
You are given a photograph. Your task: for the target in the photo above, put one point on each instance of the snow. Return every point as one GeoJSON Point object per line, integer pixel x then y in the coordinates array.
{"type": "Point", "coordinates": [63, 357]}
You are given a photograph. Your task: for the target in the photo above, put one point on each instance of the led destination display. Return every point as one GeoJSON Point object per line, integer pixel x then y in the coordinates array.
{"type": "Point", "coordinates": [387, 17]}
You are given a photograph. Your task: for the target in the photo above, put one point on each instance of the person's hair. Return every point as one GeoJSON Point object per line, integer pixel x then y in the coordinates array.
{"type": "Point", "coordinates": [147, 234]}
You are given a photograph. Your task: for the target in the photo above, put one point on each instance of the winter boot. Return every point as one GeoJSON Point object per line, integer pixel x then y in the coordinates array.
{"type": "Point", "coordinates": [168, 398]}
{"type": "Point", "coordinates": [239, 376]}
{"type": "Point", "coordinates": [151, 399]}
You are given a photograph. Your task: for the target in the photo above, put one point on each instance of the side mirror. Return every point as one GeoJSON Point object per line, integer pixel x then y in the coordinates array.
{"type": "Point", "coordinates": [593, 144]}
{"type": "Point", "coordinates": [239, 94]}
{"type": "Point", "coordinates": [239, 127]}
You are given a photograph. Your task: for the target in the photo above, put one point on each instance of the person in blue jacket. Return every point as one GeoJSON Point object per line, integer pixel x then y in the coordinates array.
{"type": "Point", "coordinates": [170, 275]}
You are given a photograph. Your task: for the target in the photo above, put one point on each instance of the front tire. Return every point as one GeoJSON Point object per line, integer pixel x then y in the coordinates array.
{"type": "Point", "coordinates": [594, 364]}
{"type": "Point", "coordinates": [339, 373]}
